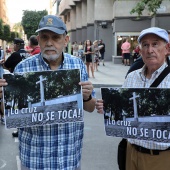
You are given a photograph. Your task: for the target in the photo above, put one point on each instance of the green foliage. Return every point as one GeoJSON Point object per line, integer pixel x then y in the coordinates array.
{"type": "Point", "coordinates": [30, 21]}
{"type": "Point", "coordinates": [151, 6]}
{"type": "Point", "coordinates": [18, 28]}
{"type": "Point", "coordinates": [1, 28]}
{"type": "Point", "coordinates": [7, 33]}
{"type": "Point", "coordinates": [12, 36]}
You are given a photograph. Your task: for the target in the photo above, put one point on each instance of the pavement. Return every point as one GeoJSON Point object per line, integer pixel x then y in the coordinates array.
{"type": "Point", "coordinates": [109, 75]}
{"type": "Point", "coordinates": [99, 150]}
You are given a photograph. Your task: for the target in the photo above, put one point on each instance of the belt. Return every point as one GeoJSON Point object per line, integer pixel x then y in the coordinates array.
{"type": "Point", "coordinates": [148, 151]}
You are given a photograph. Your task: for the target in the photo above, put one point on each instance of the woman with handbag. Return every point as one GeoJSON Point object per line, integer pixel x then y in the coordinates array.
{"type": "Point", "coordinates": [96, 51]}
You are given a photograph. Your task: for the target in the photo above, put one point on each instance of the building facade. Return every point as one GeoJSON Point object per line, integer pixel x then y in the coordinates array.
{"type": "Point", "coordinates": [109, 20]}
{"type": "Point", "coordinates": [4, 17]}
{"type": "Point", "coordinates": [3, 11]}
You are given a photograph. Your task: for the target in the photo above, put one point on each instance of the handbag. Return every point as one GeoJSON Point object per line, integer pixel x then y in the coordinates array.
{"type": "Point", "coordinates": [122, 146]}
{"type": "Point", "coordinates": [121, 154]}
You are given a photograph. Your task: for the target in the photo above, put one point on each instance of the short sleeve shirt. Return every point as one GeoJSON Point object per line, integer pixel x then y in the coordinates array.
{"type": "Point", "coordinates": [136, 79]}
{"type": "Point", "coordinates": [14, 59]}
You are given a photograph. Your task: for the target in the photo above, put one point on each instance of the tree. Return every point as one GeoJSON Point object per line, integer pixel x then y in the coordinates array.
{"type": "Point", "coordinates": [13, 35]}
{"type": "Point", "coordinates": [151, 6]}
{"type": "Point", "coordinates": [1, 28]}
{"type": "Point", "coordinates": [18, 28]}
{"type": "Point", "coordinates": [30, 21]}
{"type": "Point", "coordinates": [7, 33]}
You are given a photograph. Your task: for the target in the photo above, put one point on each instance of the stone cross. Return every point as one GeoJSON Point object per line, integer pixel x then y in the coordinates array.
{"type": "Point", "coordinates": [41, 89]}
{"type": "Point", "coordinates": [135, 105]}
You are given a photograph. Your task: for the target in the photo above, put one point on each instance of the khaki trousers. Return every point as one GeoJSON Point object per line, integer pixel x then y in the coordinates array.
{"type": "Point", "coordinates": [141, 161]}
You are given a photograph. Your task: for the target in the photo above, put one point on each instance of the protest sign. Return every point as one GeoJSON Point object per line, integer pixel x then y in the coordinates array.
{"type": "Point", "coordinates": [137, 113]}
{"type": "Point", "coordinates": [40, 98]}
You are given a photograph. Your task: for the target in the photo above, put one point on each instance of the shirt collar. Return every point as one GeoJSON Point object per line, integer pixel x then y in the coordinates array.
{"type": "Point", "coordinates": [47, 65]}
{"type": "Point", "coordinates": [155, 73]}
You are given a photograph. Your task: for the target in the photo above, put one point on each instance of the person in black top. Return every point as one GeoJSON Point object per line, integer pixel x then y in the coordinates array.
{"type": "Point", "coordinates": [102, 50]}
{"type": "Point", "coordinates": [138, 63]}
{"type": "Point", "coordinates": [16, 56]}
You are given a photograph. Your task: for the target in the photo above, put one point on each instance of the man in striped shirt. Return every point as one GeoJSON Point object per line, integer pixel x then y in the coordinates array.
{"type": "Point", "coordinates": [56, 146]}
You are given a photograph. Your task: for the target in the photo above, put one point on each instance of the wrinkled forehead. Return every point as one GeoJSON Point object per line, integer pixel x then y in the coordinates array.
{"type": "Point", "coordinates": [151, 37]}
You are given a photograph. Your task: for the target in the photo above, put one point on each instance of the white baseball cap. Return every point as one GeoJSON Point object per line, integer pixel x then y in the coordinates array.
{"type": "Point", "coordinates": [154, 30]}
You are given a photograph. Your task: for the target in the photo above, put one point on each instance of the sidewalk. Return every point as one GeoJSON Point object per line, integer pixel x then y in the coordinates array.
{"type": "Point", "coordinates": [109, 75]}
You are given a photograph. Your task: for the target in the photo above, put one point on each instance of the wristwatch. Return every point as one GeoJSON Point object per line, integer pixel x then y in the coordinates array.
{"type": "Point", "coordinates": [90, 97]}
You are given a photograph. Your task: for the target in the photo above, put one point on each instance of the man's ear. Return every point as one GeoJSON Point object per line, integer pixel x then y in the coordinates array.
{"type": "Point", "coordinates": [168, 48]}
{"type": "Point", "coordinates": [67, 39]}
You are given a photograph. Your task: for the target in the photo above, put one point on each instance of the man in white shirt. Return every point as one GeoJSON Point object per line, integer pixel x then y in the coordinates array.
{"type": "Point", "coordinates": [148, 154]}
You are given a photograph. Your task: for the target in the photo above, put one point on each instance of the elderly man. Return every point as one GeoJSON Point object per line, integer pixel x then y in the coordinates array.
{"type": "Point", "coordinates": [57, 146]}
{"type": "Point", "coordinates": [147, 154]}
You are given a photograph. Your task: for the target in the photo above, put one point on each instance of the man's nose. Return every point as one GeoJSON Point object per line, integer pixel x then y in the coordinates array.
{"type": "Point", "coordinates": [150, 48]}
{"type": "Point", "coordinates": [49, 43]}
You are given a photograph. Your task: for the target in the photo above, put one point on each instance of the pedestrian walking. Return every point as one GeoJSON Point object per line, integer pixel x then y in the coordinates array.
{"type": "Point", "coordinates": [102, 50]}
{"type": "Point", "coordinates": [126, 52]}
{"type": "Point", "coordinates": [75, 49]}
{"type": "Point", "coordinates": [96, 51]}
{"type": "Point", "coordinates": [89, 58]}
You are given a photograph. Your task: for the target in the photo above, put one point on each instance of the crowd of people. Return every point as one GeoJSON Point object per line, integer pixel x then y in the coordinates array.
{"type": "Point", "coordinates": [91, 54]}
{"type": "Point", "coordinates": [58, 142]}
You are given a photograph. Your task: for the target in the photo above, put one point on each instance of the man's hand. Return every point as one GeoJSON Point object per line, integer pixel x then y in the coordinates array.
{"type": "Point", "coordinates": [99, 106]}
{"type": "Point", "coordinates": [2, 61]}
{"type": "Point", "coordinates": [2, 84]}
{"type": "Point", "coordinates": [87, 89]}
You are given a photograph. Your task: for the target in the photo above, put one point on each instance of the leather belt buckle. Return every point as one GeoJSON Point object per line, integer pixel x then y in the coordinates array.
{"type": "Point", "coordinates": [145, 150]}
{"type": "Point", "coordinates": [151, 152]}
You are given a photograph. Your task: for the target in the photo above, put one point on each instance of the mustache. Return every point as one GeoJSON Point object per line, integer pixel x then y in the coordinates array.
{"type": "Point", "coordinates": [49, 48]}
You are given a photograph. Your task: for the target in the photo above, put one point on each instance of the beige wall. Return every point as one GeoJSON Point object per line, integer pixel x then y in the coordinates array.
{"type": "Point", "coordinates": [79, 16]}
{"type": "Point", "coordinates": [122, 8]}
{"type": "Point", "coordinates": [84, 13]}
{"type": "Point", "coordinates": [90, 11]}
{"type": "Point", "coordinates": [103, 10]}
{"type": "Point", "coordinates": [3, 12]}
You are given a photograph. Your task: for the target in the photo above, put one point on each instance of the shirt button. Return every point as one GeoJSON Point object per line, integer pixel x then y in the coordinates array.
{"type": "Point", "coordinates": [60, 127]}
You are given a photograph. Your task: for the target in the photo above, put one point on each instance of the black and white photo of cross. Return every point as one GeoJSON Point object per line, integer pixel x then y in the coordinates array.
{"type": "Point", "coordinates": [42, 89]}
{"type": "Point", "coordinates": [135, 105]}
